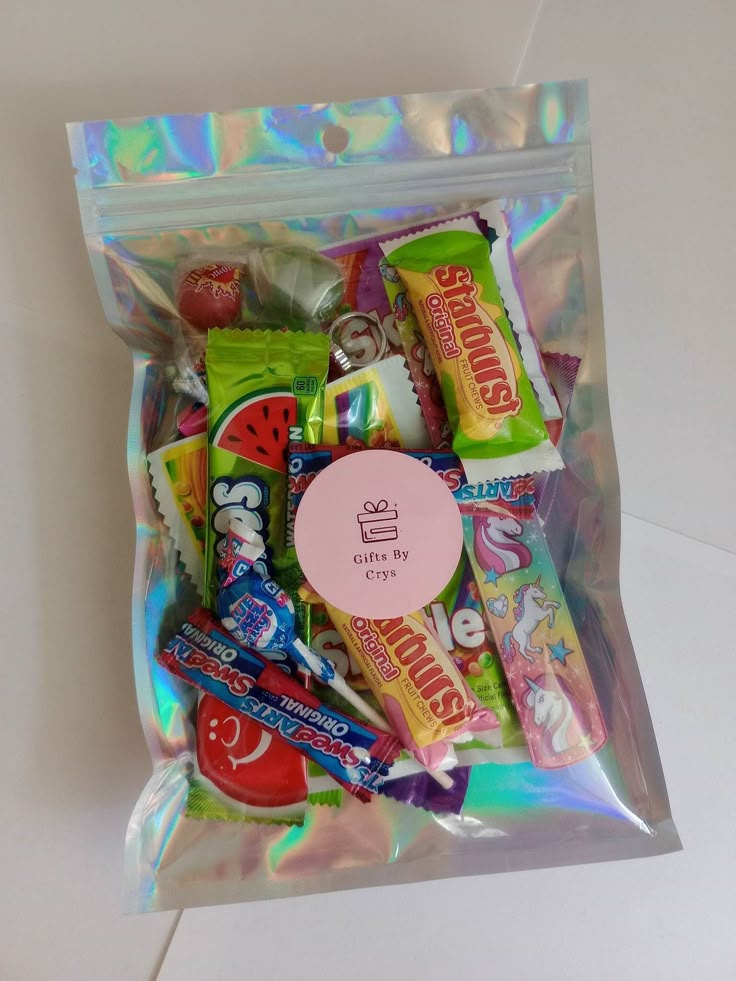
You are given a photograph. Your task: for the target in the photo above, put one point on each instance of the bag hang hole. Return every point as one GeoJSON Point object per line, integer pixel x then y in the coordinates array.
{"type": "Point", "coordinates": [335, 139]}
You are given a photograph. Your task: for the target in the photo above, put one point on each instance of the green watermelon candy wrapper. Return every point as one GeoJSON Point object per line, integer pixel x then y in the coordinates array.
{"type": "Point", "coordinates": [266, 388]}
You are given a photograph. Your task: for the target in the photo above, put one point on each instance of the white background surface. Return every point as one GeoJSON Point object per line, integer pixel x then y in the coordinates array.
{"type": "Point", "coordinates": [662, 82]}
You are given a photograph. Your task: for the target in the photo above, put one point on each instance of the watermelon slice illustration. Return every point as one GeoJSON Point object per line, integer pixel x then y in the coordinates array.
{"type": "Point", "coordinates": [257, 429]}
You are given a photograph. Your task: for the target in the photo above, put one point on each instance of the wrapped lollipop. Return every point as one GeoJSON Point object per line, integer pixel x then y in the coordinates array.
{"type": "Point", "coordinates": [260, 614]}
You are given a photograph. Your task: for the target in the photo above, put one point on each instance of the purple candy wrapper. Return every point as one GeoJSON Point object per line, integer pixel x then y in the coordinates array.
{"type": "Point", "coordinates": [421, 790]}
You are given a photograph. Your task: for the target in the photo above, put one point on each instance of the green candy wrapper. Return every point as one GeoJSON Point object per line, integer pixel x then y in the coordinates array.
{"type": "Point", "coordinates": [265, 389]}
{"type": "Point", "coordinates": [498, 430]}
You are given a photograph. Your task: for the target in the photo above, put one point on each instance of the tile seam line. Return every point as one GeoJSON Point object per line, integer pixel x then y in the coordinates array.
{"type": "Point", "coordinates": [527, 42]}
{"type": "Point", "coordinates": [163, 953]}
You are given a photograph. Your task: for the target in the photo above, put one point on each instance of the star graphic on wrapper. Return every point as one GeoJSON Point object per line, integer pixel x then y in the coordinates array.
{"type": "Point", "coordinates": [558, 652]}
{"type": "Point", "coordinates": [533, 536]}
{"type": "Point", "coordinates": [492, 576]}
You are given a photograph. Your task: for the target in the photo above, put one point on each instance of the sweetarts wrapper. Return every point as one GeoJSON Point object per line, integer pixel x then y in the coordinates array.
{"type": "Point", "coordinates": [498, 429]}
{"type": "Point", "coordinates": [204, 654]}
{"type": "Point", "coordinates": [418, 687]}
{"type": "Point", "coordinates": [540, 650]}
{"type": "Point", "coordinates": [307, 460]}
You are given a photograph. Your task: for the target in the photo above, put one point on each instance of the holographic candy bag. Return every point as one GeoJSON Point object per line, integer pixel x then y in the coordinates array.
{"type": "Point", "coordinates": [233, 219]}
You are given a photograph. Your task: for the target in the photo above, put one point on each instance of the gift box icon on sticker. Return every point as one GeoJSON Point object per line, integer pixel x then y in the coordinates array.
{"type": "Point", "coordinates": [378, 522]}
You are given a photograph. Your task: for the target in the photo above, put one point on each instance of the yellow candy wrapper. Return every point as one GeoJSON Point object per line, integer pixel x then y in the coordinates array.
{"type": "Point", "coordinates": [179, 475]}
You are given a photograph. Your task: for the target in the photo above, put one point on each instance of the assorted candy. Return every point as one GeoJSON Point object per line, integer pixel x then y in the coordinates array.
{"type": "Point", "coordinates": [344, 385]}
{"type": "Point", "coordinates": [457, 615]}
{"type": "Point", "coordinates": [419, 688]}
{"type": "Point", "coordinates": [412, 328]}
{"type": "Point", "coordinates": [203, 653]}
{"type": "Point", "coordinates": [260, 614]}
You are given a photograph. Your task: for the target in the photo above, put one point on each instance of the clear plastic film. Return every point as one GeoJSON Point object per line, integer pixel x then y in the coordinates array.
{"type": "Point", "coordinates": [161, 197]}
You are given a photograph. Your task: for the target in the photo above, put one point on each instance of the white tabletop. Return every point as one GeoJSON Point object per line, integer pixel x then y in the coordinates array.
{"type": "Point", "coordinates": [662, 81]}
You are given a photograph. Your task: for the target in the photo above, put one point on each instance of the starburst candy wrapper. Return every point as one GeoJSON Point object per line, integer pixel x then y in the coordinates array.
{"type": "Point", "coordinates": [492, 223]}
{"type": "Point", "coordinates": [417, 685]}
{"type": "Point", "coordinates": [498, 429]}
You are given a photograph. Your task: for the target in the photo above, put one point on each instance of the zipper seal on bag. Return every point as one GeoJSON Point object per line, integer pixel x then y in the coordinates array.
{"type": "Point", "coordinates": [280, 194]}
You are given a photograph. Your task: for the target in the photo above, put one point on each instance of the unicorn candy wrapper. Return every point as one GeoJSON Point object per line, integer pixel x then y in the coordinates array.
{"type": "Point", "coordinates": [540, 651]}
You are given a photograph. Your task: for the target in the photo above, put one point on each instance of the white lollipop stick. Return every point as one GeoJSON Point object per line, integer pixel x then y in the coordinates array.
{"type": "Point", "coordinates": [344, 689]}
{"type": "Point", "coordinates": [340, 685]}
{"type": "Point", "coordinates": [319, 666]}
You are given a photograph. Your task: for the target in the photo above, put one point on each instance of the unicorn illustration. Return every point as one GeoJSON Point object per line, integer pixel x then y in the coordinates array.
{"type": "Point", "coordinates": [553, 713]}
{"type": "Point", "coordinates": [496, 543]}
{"type": "Point", "coordinates": [532, 608]}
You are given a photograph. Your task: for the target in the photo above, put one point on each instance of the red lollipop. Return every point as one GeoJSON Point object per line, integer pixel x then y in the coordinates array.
{"type": "Point", "coordinates": [210, 296]}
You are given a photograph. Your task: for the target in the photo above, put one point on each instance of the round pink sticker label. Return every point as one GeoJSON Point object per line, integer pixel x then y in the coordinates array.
{"type": "Point", "coordinates": [378, 534]}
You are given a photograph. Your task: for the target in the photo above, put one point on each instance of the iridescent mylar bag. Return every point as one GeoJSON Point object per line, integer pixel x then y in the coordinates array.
{"type": "Point", "coordinates": [154, 192]}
